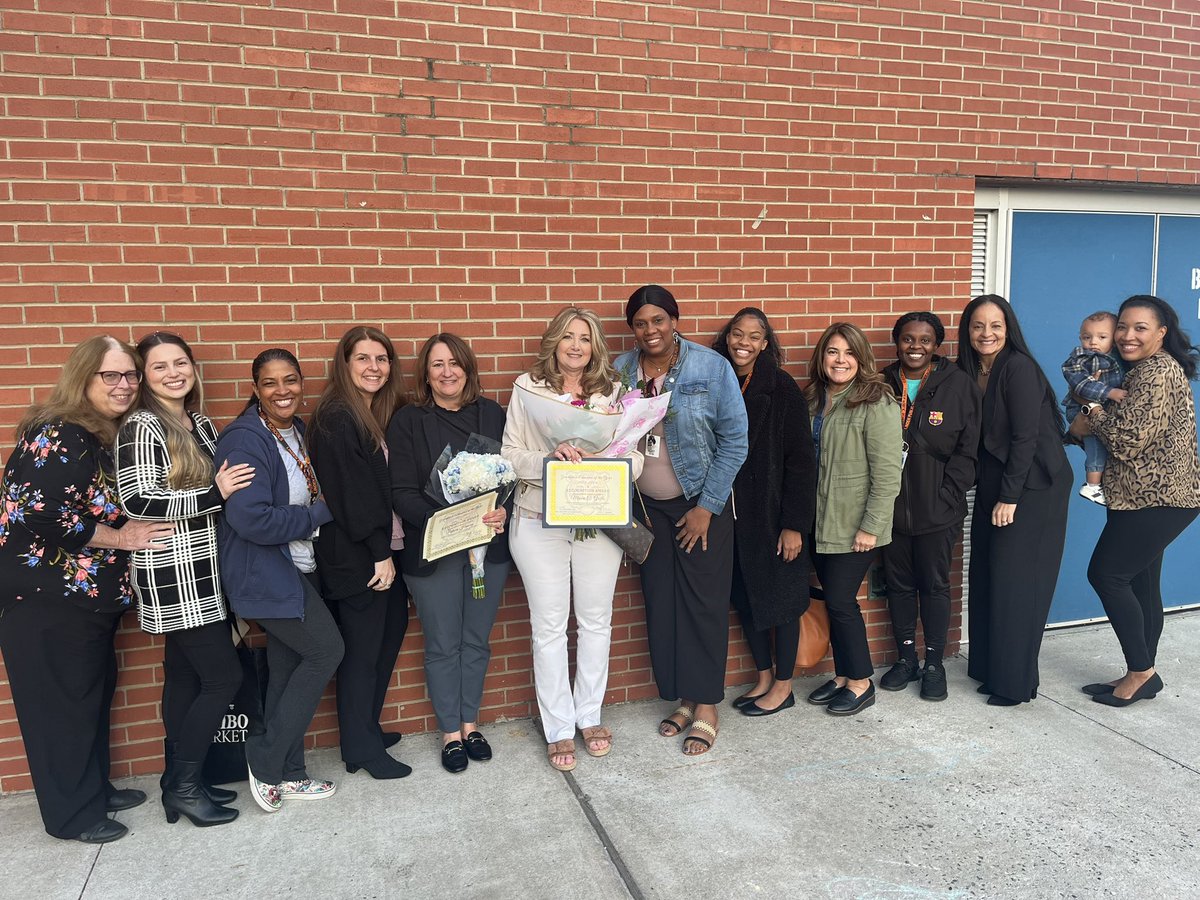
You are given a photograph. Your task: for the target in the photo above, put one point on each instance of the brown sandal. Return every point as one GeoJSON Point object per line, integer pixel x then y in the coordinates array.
{"type": "Point", "coordinates": [564, 747]}
{"type": "Point", "coordinates": [597, 733]}
{"type": "Point", "coordinates": [705, 742]}
{"type": "Point", "coordinates": [685, 713]}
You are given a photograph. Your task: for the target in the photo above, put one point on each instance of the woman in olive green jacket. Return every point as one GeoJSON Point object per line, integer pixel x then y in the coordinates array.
{"type": "Point", "coordinates": [857, 431]}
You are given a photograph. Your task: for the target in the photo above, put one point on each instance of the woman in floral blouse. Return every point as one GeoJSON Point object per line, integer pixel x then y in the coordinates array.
{"type": "Point", "coordinates": [64, 564]}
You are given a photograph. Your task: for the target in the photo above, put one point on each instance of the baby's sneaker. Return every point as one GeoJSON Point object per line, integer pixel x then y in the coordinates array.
{"type": "Point", "coordinates": [1093, 492]}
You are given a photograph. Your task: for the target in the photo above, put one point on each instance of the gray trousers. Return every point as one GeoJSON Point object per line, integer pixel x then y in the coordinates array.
{"type": "Point", "coordinates": [457, 632]}
{"type": "Point", "coordinates": [302, 655]}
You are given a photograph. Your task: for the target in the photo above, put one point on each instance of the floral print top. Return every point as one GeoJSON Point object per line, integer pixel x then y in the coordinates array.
{"type": "Point", "coordinates": [58, 485]}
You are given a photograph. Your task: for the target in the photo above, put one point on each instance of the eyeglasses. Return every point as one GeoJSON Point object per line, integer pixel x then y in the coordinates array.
{"type": "Point", "coordinates": [113, 378]}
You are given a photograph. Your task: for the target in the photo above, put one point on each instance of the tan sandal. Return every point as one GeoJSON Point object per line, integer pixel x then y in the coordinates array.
{"type": "Point", "coordinates": [688, 714]}
{"type": "Point", "coordinates": [693, 738]}
{"type": "Point", "coordinates": [597, 733]}
{"type": "Point", "coordinates": [564, 747]}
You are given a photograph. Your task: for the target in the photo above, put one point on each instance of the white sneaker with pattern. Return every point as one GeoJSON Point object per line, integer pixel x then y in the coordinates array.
{"type": "Point", "coordinates": [306, 789]}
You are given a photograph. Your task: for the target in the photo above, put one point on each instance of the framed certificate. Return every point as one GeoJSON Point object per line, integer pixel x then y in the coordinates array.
{"type": "Point", "coordinates": [458, 527]}
{"type": "Point", "coordinates": [593, 493]}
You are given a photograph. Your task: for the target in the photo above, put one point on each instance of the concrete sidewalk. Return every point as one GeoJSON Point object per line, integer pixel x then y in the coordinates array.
{"type": "Point", "coordinates": [1061, 797]}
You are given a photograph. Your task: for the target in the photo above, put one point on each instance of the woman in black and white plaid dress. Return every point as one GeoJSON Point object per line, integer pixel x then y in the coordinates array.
{"type": "Point", "coordinates": [165, 472]}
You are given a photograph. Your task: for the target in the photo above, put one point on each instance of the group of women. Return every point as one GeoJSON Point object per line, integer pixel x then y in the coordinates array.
{"type": "Point", "coordinates": [120, 490]}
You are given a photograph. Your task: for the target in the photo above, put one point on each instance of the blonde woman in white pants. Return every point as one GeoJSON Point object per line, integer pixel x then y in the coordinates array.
{"type": "Point", "coordinates": [558, 563]}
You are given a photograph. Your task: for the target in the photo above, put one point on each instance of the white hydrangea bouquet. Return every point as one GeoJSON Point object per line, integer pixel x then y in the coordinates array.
{"type": "Point", "coordinates": [474, 471]}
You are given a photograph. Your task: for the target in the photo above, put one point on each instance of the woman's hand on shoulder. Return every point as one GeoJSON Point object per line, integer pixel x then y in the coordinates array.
{"type": "Point", "coordinates": [231, 479]}
{"type": "Point", "coordinates": [789, 545]}
{"type": "Point", "coordinates": [864, 541]}
{"type": "Point", "coordinates": [1003, 514]}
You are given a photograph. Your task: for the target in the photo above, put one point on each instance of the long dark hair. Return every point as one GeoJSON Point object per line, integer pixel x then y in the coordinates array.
{"type": "Point", "coordinates": [773, 351]}
{"type": "Point", "coordinates": [968, 359]}
{"type": "Point", "coordinates": [371, 416]}
{"type": "Point", "coordinates": [869, 384]}
{"type": "Point", "coordinates": [1176, 341]}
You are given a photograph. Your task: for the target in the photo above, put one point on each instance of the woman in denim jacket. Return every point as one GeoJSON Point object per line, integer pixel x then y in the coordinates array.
{"type": "Point", "coordinates": [691, 459]}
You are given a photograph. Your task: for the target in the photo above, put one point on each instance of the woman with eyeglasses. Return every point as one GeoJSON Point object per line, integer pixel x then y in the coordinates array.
{"type": "Point", "coordinates": [64, 564]}
{"type": "Point", "coordinates": [165, 473]}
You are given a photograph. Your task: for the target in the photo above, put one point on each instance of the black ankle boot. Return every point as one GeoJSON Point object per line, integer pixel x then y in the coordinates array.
{"type": "Point", "coordinates": [217, 795]}
{"type": "Point", "coordinates": [185, 794]}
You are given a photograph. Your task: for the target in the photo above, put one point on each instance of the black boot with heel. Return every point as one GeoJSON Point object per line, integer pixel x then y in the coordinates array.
{"type": "Point", "coordinates": [184, 795]}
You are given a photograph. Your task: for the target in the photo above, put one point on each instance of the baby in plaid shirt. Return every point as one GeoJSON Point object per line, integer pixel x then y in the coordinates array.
{"type": "Point", "coordinates": [1094, 374]}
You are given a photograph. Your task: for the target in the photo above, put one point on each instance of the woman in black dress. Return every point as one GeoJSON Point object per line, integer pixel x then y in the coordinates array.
{"type": "Point", "coordinates": [1020, 522]}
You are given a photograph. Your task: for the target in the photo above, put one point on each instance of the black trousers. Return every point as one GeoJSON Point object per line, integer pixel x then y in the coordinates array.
{"type": "Point", "coordinates": [918, 569]}
{"type": "Point", "coordinates": [687, 604]}
{"type": "Point", "coordinates": [1013, 573]}
{"type": "Point", "coordinates": [841, 575]}
{"type": "Point", "coordinates": [787, 635]}
{"type": "Point", "coordinates": [62, 671]}
{"type": "Point", "coordinates": [1125, 570]}
{"type": "Point", "coordinates": [302, 655]}
{"type": "Point", "coordinates": [373, 625]}
{"type": "Point", "coordinates": [201, 675]}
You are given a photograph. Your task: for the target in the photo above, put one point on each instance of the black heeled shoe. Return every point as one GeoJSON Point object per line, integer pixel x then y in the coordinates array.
{"type": "Point", "coordinates": [185, 796]}
{"type": "Point", "coordinates": [219, 796]}
{"type": "Point", "coordinates": [381, 768]}
{"type": "Point", "coordinates": [477, 747]}
{"type": "Point", "coordinates": [1148, 691]}
{"type": "Point", "coordinates": [391, 739]}
{"type": "Point", "coordinates": [454, 757]}
{"type": "Point", "coordinates": [755, 710]}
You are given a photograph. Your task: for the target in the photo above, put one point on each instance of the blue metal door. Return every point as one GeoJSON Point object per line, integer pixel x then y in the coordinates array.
{"type": "Point", "coordinates": [1063, 267]}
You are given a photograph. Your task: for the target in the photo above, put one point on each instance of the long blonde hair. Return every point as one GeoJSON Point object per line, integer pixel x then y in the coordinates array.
{"type": "Point", "coordinates": [869, 384]}
{"type": "Point", "coordinates": [191, 467]}
{"type": "Point", "coordinates": [599, 375]}
{"type": "Point", "coordinates": [68, 400]}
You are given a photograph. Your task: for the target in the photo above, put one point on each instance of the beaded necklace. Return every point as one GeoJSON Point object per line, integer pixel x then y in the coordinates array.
{"type": "Point", "coordinates": [306, 469]}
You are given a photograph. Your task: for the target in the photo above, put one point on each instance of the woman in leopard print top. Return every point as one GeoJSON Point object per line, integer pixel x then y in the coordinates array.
{"type": "Point", "coordinates": [1152, 484]}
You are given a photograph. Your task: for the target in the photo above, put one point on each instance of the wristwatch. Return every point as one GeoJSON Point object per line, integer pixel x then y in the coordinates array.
{"type": "Point", "coordinates": [1088, 407]}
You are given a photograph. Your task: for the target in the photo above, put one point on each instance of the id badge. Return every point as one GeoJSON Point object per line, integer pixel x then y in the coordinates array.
{"type": "Point", "coordinates": [653, 445]}
{"type": "Point", "coordinates": [903, 453]}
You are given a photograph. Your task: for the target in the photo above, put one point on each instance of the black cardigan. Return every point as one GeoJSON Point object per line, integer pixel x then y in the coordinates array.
{"type": "Point", "coordinates": [357, 487]}
{"type": "Point", "coordinates": [776, 488]}
{"type": "Point", "coordinates": [416, 437]}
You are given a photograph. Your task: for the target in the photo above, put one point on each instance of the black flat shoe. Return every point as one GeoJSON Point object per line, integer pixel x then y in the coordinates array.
{"type": "Point", "coordinates": [997, 700]}
{"type": "Point", "coordinates": [983, 689]}
{"type": "Point", "coordinates": [103, 832]}
{"type": "Point", "coordinates": [477, 747]}
{"type": "Point", "coordinates": [745, 700]}
{"type": "Point", "coordinates": [124, 799]}
{"type": "Point", "coordinates": [382, 768]}
{"type": "Point", "coordinates": [454, 757]}
{"type": "Point", "coordinates": [1147, 691]}
{"type": "Point", "coordinates": [1096, 689]}
{"type": "Point", "coordinates": [847, 704]}
{"type": "Point", "coordinates": [824, 693]}
{"type": "Point", "coordinates": [755, 710]}
{"type": "Point", "coordinates": [391, 739]}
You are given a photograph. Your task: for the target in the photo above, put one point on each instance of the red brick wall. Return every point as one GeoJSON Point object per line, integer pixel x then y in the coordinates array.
{"type": "Point", "coordinates": [253, 174]}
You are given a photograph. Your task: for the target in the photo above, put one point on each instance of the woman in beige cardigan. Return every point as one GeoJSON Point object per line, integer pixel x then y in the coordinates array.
{"type": "Point", "coordinates": [572, 365]}
{"type": "Point", "coordinates": [1152, 484]}
{"type": "Point", "coordinates": [857, 432]}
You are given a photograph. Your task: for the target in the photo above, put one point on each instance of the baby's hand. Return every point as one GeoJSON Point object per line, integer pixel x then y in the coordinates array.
{"type": "Point", "coordinates": [1117, 394]}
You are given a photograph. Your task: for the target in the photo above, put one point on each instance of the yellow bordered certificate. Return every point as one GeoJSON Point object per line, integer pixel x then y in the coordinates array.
{"type": "Point", "coordinates": [458, 527]}
{"type": "Point", "coordinates": [593, 493]}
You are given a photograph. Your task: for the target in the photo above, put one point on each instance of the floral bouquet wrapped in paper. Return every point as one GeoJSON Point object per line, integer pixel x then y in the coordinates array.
{"type": "Point", "coordinates": [610, 432]}
{"type": "Point", "coordinates": [474, 471]}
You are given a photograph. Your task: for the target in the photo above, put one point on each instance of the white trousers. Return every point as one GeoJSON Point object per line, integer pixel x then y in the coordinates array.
{"type": "Point", "coordinates": [551, 562]}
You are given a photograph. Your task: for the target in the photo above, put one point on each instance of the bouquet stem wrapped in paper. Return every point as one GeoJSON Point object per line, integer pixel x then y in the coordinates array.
{"type": "Point", "coordinates": [460, 476]}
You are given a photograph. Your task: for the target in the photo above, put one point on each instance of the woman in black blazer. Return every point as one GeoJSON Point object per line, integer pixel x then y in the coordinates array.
{"type": "Point", "coordinates": [775, 494]}
{"type": "Point", "coordinates": [449, 407]}
{"type": "Point", "coordinates": [1020, 520]}
{"type": "Point", "coordinates": [356, 551]}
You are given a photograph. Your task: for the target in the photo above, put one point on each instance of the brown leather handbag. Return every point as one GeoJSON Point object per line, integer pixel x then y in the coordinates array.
{"type": "Point", "coordinates": [814, 634]}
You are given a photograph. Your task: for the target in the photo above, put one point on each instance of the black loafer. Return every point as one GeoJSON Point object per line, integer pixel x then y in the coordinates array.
{"type": "Point", "coordinates": [903, 673]}
{"type": "Point", "coordinates": [824, 693]}
{"type": "Point", "coordinates": [125, 799]}
{"type": "Point", "coordinates": [103, 832]}
{"type": "Point", "coordinates": [755, 710]}
{"type": "Point", "coordinates": [477, 747]}
{"type": "Point", "coordinates": [454, 757]}
{"type": "Point", "coordinates": [1096, 689]}
{"type": "Point", "coordinates": [846, 704]}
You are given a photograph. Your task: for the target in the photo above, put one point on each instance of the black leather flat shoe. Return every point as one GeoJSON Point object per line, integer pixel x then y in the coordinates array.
{"type": "Point", "coordinates": [755, 710]}
{"type": "Point", "coordinates": [983, 689]}
{"type": "Point", "coordinates": [477, 747]}
{"type": "Point", "coordinates": [997, 700]}
{"type": "Point", "coordinates": [847, 704]}
{"type": "Point", "coordinates": [824, 693]}
{"type": "Point", "coordinates": [124, 799]}
{"type": "Point", "coordinates": [1097, 688]}
{"type": "Point", "coordinates": [1147, 691]}
{"type": "Point", "coordinates": [103, 832]}
{"type": "Point", "coordinates": [745, 700]}
{"type": "Point", "coordinates": [454, 757]}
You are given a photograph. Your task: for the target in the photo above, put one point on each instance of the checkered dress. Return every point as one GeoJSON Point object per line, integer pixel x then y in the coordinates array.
{"type": "Point", "coordinates": [179, 587]}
